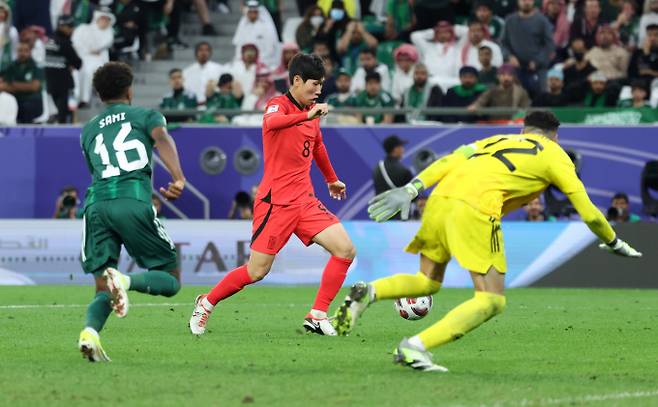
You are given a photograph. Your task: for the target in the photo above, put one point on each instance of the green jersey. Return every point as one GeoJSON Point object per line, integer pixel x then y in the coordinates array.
{"type": "Point", "coordinates": [117, 146]}
{"type": "Point", "coordinates": [25, 72]}
{"type": "Point", "coordinates": [383, 99]}
{"type": "Point", "coordinates": [179, 100]}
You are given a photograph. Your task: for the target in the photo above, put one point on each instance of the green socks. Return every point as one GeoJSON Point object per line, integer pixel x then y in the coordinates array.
{"type": "Point", "coordinates": [98, 311]}
{"type": "Point", "coordinates": [155, 283]}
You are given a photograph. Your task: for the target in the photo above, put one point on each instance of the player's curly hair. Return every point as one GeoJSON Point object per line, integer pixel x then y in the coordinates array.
{"type": "Point", "coordinates": [112, 80]}
{"type": "Point", "coordinates": [542, 119]}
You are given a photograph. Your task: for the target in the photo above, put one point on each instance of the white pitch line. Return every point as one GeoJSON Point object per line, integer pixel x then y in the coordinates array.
{"type": "Point", "coordinates": [590, 398]}
{"type": "Point", "coordinates": [146, 304]}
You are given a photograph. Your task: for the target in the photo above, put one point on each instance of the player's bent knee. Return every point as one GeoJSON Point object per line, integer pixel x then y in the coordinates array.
{"type": "Point", "coordinates": [345, 251]}
{"type": "Point", "coordinates": [257, 273]}
{"type": "Point", "coordinates": [173, 289]}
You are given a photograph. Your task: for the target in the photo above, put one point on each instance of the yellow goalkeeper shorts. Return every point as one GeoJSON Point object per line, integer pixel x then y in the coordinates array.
{"type": "Point", "coordinates": [451, 227]}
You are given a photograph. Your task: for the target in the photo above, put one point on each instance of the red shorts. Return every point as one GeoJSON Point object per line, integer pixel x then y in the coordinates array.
{"type": "Point", "coordinates": [274, 224]}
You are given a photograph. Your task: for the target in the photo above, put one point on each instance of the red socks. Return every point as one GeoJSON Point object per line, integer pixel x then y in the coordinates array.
{"type": "Point", "coordinates": [233, 282]}
{"type": "Point", "coordinates": [332, 279]}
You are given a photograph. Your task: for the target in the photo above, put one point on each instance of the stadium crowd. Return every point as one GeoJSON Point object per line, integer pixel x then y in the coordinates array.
{"type": "Point", "coordinates": [378, 53]}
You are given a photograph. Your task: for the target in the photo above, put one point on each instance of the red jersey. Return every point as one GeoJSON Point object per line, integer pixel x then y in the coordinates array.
{"type": "Point", "coordinates": [290, 143]}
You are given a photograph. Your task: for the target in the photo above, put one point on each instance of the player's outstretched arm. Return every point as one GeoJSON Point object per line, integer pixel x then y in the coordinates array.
{"type": "Point", "coordinates": [598, 224]}
{"type": "Point", "coordinates": [387, 204]}
{"type": "Point", "coordinates": [169, 155]}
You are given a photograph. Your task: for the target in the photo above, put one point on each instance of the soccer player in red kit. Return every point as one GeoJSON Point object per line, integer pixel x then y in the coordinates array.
{"type": "Point", "coordinates": [286, 203]}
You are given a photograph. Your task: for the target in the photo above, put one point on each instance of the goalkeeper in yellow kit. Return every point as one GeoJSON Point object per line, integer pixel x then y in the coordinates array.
{"type": "Point", "coordinates": [477, 185]}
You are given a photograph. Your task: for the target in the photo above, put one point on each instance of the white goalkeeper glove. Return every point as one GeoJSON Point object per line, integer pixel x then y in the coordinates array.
{"type": "Point", "coordinates": [385, 205]}
{"type": "Point", "coordinates": [620, 248]}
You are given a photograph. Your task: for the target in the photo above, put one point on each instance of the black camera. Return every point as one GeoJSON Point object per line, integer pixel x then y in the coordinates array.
{"type": "Point", "coordinates": [69, 201]}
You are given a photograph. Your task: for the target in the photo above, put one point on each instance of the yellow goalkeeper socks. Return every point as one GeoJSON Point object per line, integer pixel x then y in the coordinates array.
{"type": "Point", "coordinates": [462, 319]}
{"type": "Point", "coordinates": [405, 285]}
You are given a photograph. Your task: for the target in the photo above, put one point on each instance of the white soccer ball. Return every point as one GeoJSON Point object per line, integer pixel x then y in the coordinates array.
{"type": "Point", "coordinates": [413, 308]}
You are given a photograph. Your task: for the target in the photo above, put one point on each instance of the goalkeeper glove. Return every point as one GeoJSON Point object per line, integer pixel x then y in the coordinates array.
{"type": "Point", "coordinates": [621, 248]}
{"type": "Point", "coordinates": [385, 205]}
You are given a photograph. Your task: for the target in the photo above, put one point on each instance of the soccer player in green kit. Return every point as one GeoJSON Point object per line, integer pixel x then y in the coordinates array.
{"type": "Point", "coordinates": [117, 145]}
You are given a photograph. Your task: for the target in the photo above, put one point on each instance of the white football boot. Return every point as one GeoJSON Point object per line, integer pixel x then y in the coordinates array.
{"type": "Point", "coordinates": [411, 356]}
{"type": "Point", "coordinates": [199, 317]}
{"type": "Point", "coordinates": [118, 285]}
{"type": "Point", "coordinates": [320, 326]}
{"type": "Point", "coordinates": [90, 346]}
{"type": "Point", "coordinates": [355, 303]}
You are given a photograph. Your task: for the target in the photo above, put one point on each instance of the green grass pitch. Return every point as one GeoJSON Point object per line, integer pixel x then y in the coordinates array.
{"type": "Point", "coordinates": [551, 347]}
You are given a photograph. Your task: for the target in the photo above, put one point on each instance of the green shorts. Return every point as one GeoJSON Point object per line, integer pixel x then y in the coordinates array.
{"type": "Point", "coordinates": [109, 224]}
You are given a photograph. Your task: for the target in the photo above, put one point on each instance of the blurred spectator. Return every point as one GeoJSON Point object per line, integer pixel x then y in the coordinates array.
{"type": "Point", "coordinates": [127, 13]}
{"type": "Point", "coordinates": [256, 27]}
{"type": "Point", "coordinates": [322, 49]}
{"type": "Point", "coordinates": [506, 94]}
{"type": "Point", "coordinates": [352, 44]}
{"type": "Point", "coordinates": [92, 42]}
{"type": "Point", "coordinates": [304, 5]}
{"type": "Point", "coordinates": [556, 13]}
{"type": "Point", "coordinates": [627, 24]}
{"type": "Point", "coordinates": [470, 47]}
{"type": "Point", "coordinates": [274, 7]}
{"type": "Point", "coordinates": [405, 57]}
{"type": "Point", "coordinates": [648, 19]}
{"type": "Point", "coordinates": [179, 98]}
{"type": "Point", "coordinates": [608, 57]}
{"type": "Point", "coordinates": [261, 93]}
{"type": "Point", "coordinates": [619, 210]}
{"type": "Point", "coordinates": [503, 8]}
{"type": "Point", "coordinates": [493, 23]}
{"type": "Point", "coordinates": [280, 74]}
{"type": "Point", "coordinates": [157, 205]}
{"type": "Point", "coordinates": [244, 70]}
{"type": "Point", "coordinates": [536, 212]}
{"type": "Point", "coordinates": [36, 37]}
{"type": "Point", "coordinates": [488, 73]}
{"type": "Point", "coordinates": [464, 94]}
{"type": "Point", "coordinates": [439, 52]}
{"type": "Point", "coordinates": [586, 23]}
{"type": "Point", "coordinates": [528, 44]}
{"type": "Point", "coordinates": [24, 79]}
{"type": "Point", "coordinates": [349, 7]}
{"type": "Point", "coordinates": [197, 75]}
{"type": "Point", "coordinates": [201, 7]}
{"type": "Point", "coordinates": [334, 26]}
{"type": "Point", "coordinates": [374, 96]}
{"type": "Point", "coordinates": [577, 69]}
{"type": "Point", "coordinates": [61, 59]}
{"type": "Point", "coordinates": [241, 207]}
{"type": "Point", "coordinates": [599, 94]}
{"type": "Point", "coordinates": [400, 20]}
{"type": "Point", "coordinates": [32, 13]}
{"type": "Point", "coordinates": [555, 96]}
{"type": "Point", "coordinates": [644, 63]}
{"type": "Point", "coordinates": [367, 64]}
{"type": "Point", "coordinates": [421, 93]}
{"type": "Point", "coordinates": [639, 95]}
{"type": "Point", "coordinates": [390, 172]}
{"type": "Point", "coordinates": [67, 205]}
{"type": "Point", "coordinates": [228, 96]}
{"type": "Point", "coordinates": [343, 97]}
{"type": "Point", "coordinates": [8, 36]}
{"type": "Point", "coordinates": [8, 105]}
{"type": "Point", "coordinates": [329, 84]}
{"type": "Point", "coordinates": [309, 27]}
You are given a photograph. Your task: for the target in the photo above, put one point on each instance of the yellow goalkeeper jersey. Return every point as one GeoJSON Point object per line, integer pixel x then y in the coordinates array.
{"type": "Point", "coordinates": [505, 172]}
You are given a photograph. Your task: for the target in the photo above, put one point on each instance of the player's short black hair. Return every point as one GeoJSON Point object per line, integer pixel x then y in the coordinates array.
{"type": "Point", "coordinates": [370, 51]}
{"type": "Point", "coordinates": [307, 66]}
{"type": "Point", "coordinates": [621, 195]}
{"type": "Point", "coordinates": [175, 70]}
{"type": "Point", "coordinates": [113, 80]}
{"type": "Point", "coordinates": [373, 76]}
{"type": "Point", "coordinates": [542, 119]}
